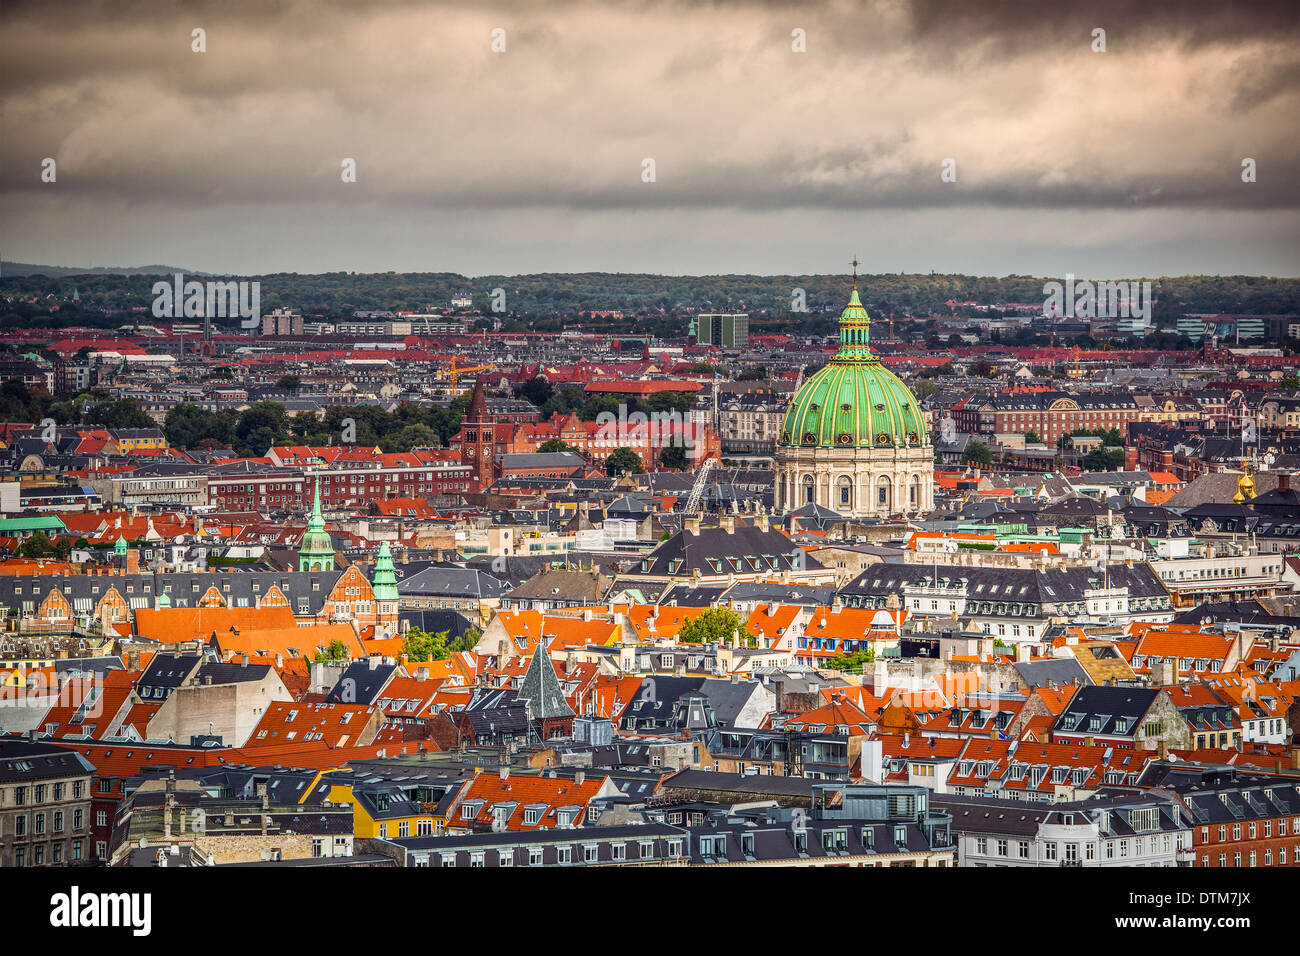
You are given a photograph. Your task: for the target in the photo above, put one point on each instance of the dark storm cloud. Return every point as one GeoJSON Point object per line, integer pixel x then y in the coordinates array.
{"type": "Point", "coordinates": [737, 124]}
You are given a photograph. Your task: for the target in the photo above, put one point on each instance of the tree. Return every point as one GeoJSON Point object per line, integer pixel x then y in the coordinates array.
{"type": "Point", "coordinates": [336, 650]}
{"type": "Point", "coordinates": [623, 461]}
{"type": "Point", "coordinates": [187, 426]}
{"type": "Point", "coordinates": [412, 436]}
{"type": "Point", "coordinates": [982, 368]}
{"type": "Point", "coordinates": [674, 456]}
{"type": "Point", "coordinates": [1032, 438]}
{"type": "Point", "coordinates": [123, 413]}
{"type": "Point", "coordinates": [37, 546]}
{"type": "Point", "coordinates": [923, 389]}
{"type": "Point", "coordinates": [536, 390]}
{"type": "Point", "coordinates": [421, 646]}
{"type": "Point", "coordinates": [555, 445]}
{"type": "Point", "coordinates": [1104, 459]}
{"type": "Point", "coordinates": [851, 662]}
{"type": "Point", "coordinates": [17, 404]}
{"type": "Point", "coordinates": [289, 382]}
{"type": "Point", "coordinates": [259, 428]}
{"type": "Point", "coordinates": [717, 625]}
{"type": "Point", "coordinates": [977, 453]}
{"type": "Point", "coordinates": [467, 641]}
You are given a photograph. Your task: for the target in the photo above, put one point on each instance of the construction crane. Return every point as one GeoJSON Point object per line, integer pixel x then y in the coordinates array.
{"type": "Point", "coordinates": [697, 489]}
{"type": "Point", "coordinates": [458, 370]}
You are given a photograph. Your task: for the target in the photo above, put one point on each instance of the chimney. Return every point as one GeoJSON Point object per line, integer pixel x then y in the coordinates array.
{"type": "Point", "coordinates": [764, 524]}
{"type": "Point", "coordinates": [1283, 483]}
{"type": "Point", "coordinates": [728, 524]}
{"type": "Point", "coordinates": [692, 526]}
{"type": "Point", "coordinates": [505, 772]}
{"type": "Point", "coordinates": [1022, 653]}
{"type": "Point", "coordinates": [579, 777]}
{"type": "Point", "coordinates": [279, 660]}
{"type": "Point", "coordinates": [243, 660]}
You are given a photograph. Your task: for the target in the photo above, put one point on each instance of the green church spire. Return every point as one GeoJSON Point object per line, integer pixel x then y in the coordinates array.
{"type": "Point", "coordinates": [384, 582]}
{"type": "Point", "coordinates": [317, 551]}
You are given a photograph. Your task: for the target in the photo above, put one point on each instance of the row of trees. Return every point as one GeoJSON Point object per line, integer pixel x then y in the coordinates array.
{"type": "Point", "coordinates": [571, 399]}
{"type": "Point", "coordinates": [21, 403]}
{"type": "Point", "coordinates": [538, 297]}
{"type": "Point", "coordinates": [267, 423]}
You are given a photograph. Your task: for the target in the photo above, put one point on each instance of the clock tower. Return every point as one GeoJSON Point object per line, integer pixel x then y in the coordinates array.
{"type": "Point", "coordinates": [478, 447]}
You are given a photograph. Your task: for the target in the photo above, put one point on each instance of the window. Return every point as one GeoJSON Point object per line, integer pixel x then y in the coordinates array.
{"type": "Point", "coordinates": [590, 853]}
{"type": "Point", "coordinates": [1049, 851]}
{"type": "Point", "coordinates": [1022, 849]}
{"type": "Point", "coordinates": [563, 854]}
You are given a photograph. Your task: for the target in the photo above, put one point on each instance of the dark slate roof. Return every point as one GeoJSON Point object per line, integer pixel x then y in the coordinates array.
{"type": "Point", "coordinates": [551, 459]}
{"type": "Point", "coordinates": [367, 682]}
{"type": "Point", "coordinates": [22, 761]}
{"type": "Point", "coordinates": [541, 688]}
{"type": "Point", "coordinates": [1119, 708]}
{"type": "Point", "coordinates": [451, 582]}
{"type": "Point", "coordinates": [98, 666]}
{"type": "Point", "coordinates": [232, 673]}
{"type": "Point", "coordinates": [683, 595]}
{"type": "Point", "coordinates": [747, 550]}
{"type": "Point", "coordinates": [168, 670]}
{"type": "Point", "coordinates": [1017, 585]}
{"type": "Point", "coordinates": [496, 711]}
{"type": "Point", "coordinates": [185, 589]}
{"type": "Point", "coordinates": [513, 570]}
{"type": "Point", "coordinates": [1060, 670]}
{"type": "Point", "coordinates": [1242, 612]}
{"type": "Point", "coordinates": [713, 781]}
{"type": "Point", "coordinates": [770, 593]}
{"type": "Point", "coordinates": [436, 620]}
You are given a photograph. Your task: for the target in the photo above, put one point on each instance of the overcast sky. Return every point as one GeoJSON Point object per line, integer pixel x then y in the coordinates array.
{"type": "Point", "coordinates": [767, 160]}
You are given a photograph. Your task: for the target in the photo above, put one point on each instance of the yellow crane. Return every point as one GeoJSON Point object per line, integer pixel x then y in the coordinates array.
{"type": "Point", "coordinates": [458, 370]}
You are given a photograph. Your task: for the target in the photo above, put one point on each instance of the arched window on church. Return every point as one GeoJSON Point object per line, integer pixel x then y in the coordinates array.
{"type": "Point", "coordinates": [882, 493]}
{"type": "Point", "coordinates": [845, 496]}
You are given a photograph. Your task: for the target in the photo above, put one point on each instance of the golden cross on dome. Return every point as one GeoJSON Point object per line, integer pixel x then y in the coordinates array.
{"type": "Point", "coordinates": [855, 271]}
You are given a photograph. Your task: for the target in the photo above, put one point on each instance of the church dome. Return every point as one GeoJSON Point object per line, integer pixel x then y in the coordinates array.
{"type": "Point", "coordinates": [854, 401]}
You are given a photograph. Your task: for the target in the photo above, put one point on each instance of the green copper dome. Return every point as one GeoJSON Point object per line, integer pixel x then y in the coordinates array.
{"type": "Point", "coordinates": [854, 401]}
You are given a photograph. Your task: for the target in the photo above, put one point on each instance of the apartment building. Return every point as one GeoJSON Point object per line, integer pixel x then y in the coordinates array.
{"type": "Point", "coordinates": [44, 805]}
